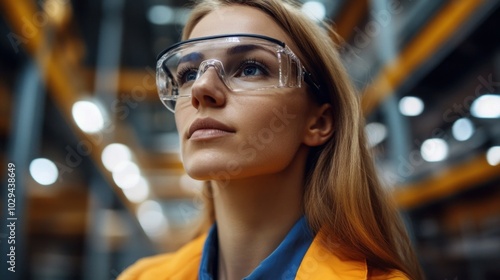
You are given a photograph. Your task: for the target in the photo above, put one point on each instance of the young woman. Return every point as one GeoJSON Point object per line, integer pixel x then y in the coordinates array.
{"type": "Point", "coordinates": [267, 116]}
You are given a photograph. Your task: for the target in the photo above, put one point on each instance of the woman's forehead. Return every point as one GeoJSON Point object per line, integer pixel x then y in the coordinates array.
{"type": "Point", "coordinates": [239, 19]}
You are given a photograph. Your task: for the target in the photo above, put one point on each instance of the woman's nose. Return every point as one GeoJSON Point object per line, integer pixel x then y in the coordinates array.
{"type": "Point", "coordinates": [208, 90]}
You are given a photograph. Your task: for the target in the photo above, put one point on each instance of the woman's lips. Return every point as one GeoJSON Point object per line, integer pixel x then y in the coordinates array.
{"type": "Point", "coordinates": [208, 128]}
{"type": "Point", "coordinates": [208, 133]}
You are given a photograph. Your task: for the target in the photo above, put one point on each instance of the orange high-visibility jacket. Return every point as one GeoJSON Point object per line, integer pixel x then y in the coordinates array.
{"type": "Point", "coordinates": [318, 263]}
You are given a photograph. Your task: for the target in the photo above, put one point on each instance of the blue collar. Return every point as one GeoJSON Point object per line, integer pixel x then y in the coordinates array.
{"type": "Point", "coordinates": [282, 263]}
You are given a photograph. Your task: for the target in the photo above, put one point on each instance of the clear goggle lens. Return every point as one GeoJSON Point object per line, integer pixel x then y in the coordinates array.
{"type": "Point", "coordinates": [242, 62]}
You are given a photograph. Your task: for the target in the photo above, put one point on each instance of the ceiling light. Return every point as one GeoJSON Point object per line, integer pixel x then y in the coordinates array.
{"type": "Point", "coordinates": [315, 10]}
{"type": "Point", "coordinates": [126, 174]}
{"type": "Point", "coordinates": [493, 155]}
{"type": "Point", "coordinates": [434, 149]}
{"type": "Point", "coordinates": [56, 10]}
{"type": "Point", "coordinates": [139, 192]}
{"type": "Point", "coordinates": [44, 171]}
{"type": "Point", "coordinates": [486, 106]}
{"type": "Point", "coordinates": [151, 218]}
{"type": "Point", "coordinates": [462, 129]}
{"type": "Point", "coordinates": [411, 106]}
{"type": "Point", "coordinates": [376, 133]}
{"type": "Point", "coordinates": [161, 14]}
{"type": "Point", "coordinates": [113, 154]}
{"type": "Point", "coordinates": [88, 116]}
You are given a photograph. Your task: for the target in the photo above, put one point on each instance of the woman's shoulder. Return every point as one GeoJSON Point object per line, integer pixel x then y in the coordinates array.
{"type": "Point", "coordinates": [323, 263]}
{"type": "Point", "coordinates": [182, 264]}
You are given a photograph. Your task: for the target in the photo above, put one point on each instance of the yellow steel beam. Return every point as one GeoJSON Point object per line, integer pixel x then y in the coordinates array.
{"type": "Point", "coordinates": [25, 30]}
{"type": "Point", "coordinates": [434, 35]}
{"type": "Point", "coordinates": [450, 181]}
{"type": "Point", "coordinates": [67, 81]}
{"type": "Point", "coordinates": [29, 27]}
{"type": "Point", "coordinates": [63, 80]}
{"type": "Point", "coordinates": [351, 14]}
{"type": "Point", "coordinates": [138, 83]}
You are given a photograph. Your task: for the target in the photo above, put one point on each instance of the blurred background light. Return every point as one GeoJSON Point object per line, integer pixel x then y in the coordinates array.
{"type": "Point", "coordinates": [56, 10]}
{"type": "Point", "coordinates": [462, 129]}
{"type": "Point", "coordinates": [44, 171]}
{"type": "Point", "coordinates": [434, 150]}
{"type": "Point", "coordinates": [160, 15]}
{"type": "Point", "coordinates": [376, 133]}
{"type": "Point", "coordinates": [411, 106]}
{"type": "Point", "coordinates": [115, 153]}
{"type": "Point", "coordinates": [151, 218]}
{"type": "Point", "coordinates": [314, 9]}
{"type": "Point", "coordinates": [139, 192]}
{"type": "Point", "coordinates": [493, 155]}
{"type": "Point", "coordinates": [88, 116]}
{"type": "Point", "coordinates": [126, 174]}
{"type": "Point", "coordinates": [190, 185]}
{"type": "Point", "coordinates": [486, 106]}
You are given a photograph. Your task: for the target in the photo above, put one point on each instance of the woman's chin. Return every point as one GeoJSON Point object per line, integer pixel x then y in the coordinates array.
{"type": "Point", "coordinates": [208, 173]}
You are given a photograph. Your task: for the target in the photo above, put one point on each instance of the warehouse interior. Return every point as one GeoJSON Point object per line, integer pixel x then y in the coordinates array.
{"type": "Point", "coordinates": [99, 180]}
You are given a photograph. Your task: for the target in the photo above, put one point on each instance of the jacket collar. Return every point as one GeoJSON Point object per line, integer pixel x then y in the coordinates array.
{"type": "Point", "coordinates": [318, 263]}
{"type": "Point", "coordinates": [282, 263]}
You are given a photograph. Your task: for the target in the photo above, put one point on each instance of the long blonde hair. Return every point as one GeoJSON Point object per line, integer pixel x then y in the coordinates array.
{"type": "Point", "coordinates": [343, 199]}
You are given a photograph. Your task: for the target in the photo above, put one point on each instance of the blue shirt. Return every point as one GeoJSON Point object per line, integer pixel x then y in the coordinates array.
{"type": "Point", "coordinates": [281, 264]}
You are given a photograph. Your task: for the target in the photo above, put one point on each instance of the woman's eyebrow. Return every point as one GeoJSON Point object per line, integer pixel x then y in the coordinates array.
{"type": "Point", "coordinates": [238, 49]}
{"type": "Point", "coordinates": [245, 48]}
{"type": "Point", "coordinates": [194, 56]}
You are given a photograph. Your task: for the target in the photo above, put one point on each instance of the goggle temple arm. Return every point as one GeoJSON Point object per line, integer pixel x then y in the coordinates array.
{"type": "Point", "coordinates": [310, 81]}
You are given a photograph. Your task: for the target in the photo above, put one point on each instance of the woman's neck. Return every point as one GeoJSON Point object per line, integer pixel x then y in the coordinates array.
{"type": "Point", "coordinates": [253, 217]}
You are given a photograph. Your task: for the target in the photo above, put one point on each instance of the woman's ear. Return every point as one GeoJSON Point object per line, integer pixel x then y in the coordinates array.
{"type": "Point", "coordinates": [319, 126]}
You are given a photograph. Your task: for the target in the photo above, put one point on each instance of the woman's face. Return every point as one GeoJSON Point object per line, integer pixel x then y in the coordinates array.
{"type": "Point", "coordinates": [226, 135]}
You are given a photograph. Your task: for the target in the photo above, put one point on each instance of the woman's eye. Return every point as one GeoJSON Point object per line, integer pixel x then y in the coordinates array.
{"type": "Point", "coordinates": [190, 76]}
{"type": "Point", "coordinates": [186, 76]}
{"type": "Point", "coordinates": [252, 68]}
{"type": "Point", "coordinates": [251, 71]}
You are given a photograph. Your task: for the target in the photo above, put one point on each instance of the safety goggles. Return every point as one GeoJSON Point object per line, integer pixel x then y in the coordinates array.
{"type": "Point", "coordinates": [244, 62]}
